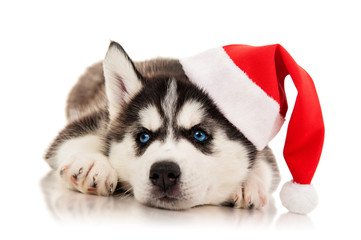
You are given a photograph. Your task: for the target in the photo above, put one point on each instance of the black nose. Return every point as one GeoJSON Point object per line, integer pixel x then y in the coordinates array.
{"type": "Point", "coordinates": [164, 174]}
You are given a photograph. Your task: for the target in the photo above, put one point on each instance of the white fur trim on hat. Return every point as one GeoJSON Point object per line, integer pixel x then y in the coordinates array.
{"type": "Point", "coordinates": [241, 101]}
{"type": "Point", "coordinates": [299, 198]}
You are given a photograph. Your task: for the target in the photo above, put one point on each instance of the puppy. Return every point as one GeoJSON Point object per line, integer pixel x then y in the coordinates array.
{"type": "Point", "coordinates": [144, 127]}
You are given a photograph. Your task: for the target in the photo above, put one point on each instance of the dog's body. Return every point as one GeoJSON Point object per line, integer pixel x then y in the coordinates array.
{"type": "Point", "coordinates": [146, 126]}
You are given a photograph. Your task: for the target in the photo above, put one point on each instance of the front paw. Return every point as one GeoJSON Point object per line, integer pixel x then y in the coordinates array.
{"type": "Point", "coordinates": [252, 194]}
{"type": "Point", "coordinates": [89, 173]}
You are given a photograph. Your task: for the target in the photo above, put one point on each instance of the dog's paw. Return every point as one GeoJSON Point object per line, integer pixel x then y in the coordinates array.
{"type": "Point", "coordinates": [89, 173]}
{"type": "Point", "coordinates": [252, 194]}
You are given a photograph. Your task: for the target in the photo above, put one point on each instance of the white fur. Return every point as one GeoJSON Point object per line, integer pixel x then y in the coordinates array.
{"type": "Point", "coordinates": [205, 179]}
{"type": "Point", "coordinates": [119, 73]}
{"type": "Point", "coordinates": [242, 101]}
{"type": "Point", "coordinates": [121, 156]}
{"type": "Point", "coordinates": [255, 190]}
{"type": "Point", "coordinates": [80, 145]}
{"type": "Point", "coordinates": [150, 118]}
{"type": "Point", "coordinates": [299, 198]}
{"type": "Point", "coordinates": [169, 102]}
{"type": "Point", "coordinates": [190, 114]}
{"type": "Point", "coordinates": [82, 157]}
{"type": "Point", "coordinates": [170, 99]}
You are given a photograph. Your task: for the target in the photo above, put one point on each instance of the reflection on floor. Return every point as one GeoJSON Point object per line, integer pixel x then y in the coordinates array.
{"type": "Point", "coordinates": [66, 205]}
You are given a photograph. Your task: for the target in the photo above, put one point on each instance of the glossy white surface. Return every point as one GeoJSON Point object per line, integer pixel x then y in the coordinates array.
{"type": "Point", "coordinates": [66, 205]}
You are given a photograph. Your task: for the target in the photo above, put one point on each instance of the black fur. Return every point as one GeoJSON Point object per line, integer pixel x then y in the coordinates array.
{"type": "Point", "coordinates": [155, 87]}
{"type": "Point", "coordinates": [153, 93]}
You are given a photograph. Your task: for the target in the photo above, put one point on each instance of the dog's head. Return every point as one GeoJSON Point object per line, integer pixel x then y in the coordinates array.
{"type": "Point", "coordinates": [167, 139]}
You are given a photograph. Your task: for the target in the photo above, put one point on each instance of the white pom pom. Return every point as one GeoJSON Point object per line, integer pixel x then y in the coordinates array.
{"type": "Point", "coordinates": [299, 198]}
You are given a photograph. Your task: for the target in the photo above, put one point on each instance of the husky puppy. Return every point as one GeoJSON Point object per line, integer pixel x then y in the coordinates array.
{"type": "Point", "coordinates": [145, 127]}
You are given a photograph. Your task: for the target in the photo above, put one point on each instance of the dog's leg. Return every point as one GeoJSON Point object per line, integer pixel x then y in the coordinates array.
{"type": "Point", "coordinates": [262, 180]}
{"type": "Point", "coordinates": [84, 168]}
{"type": "Point", "coordinates": [77, 156]}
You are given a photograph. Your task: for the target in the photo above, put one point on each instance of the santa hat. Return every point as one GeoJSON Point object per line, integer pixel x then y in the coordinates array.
{"type": "Point", "coordinates": [247, 84]}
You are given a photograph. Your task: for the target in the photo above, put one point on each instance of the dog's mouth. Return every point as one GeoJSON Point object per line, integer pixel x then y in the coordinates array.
{"type": "Point", "coordinates": [169, 194]}
{"type": "Point", "coordinates": [168, 199]}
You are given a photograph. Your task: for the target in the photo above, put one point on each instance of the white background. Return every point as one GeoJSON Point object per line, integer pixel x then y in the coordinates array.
{"type": "Point", "coordinates": [46, 45]}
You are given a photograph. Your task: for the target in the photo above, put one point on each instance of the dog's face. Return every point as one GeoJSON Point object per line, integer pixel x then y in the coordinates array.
{"type": "Point", "coordinates": [168, 141]}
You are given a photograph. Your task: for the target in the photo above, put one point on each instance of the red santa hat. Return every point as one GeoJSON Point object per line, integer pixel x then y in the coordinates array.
{"type": "Point", "coordinates": [247, 84]}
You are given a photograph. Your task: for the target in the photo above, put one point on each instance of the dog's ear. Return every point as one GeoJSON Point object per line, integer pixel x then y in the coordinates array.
{"type": "Point", "coordinates": [122, 80]}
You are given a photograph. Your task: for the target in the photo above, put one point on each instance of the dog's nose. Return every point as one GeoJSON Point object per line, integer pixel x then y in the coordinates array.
{"type": "Point", "coordinates": [164, 174]}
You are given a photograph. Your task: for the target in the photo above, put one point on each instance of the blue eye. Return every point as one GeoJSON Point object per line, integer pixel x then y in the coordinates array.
{"type": "Point", "coordinates": [199, 135]}
{"type": "Point", "coordinates": [143, 137]}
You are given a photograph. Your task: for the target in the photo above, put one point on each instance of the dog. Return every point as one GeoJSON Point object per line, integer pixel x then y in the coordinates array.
{"type": "Point", "coordinates": [145, 128]}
